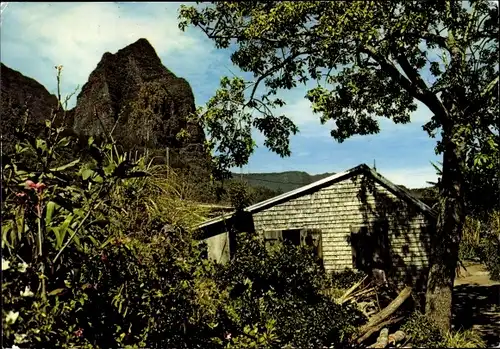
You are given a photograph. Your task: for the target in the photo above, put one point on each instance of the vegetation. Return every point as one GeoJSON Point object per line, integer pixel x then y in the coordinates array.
{"type": "Point", "coordinates": [280, 181]}
{"type": "Point", "coordinates": [98, 252]}
{"type": "Point", "coordinates": [369, 60]}
{"type": "Point", "coordinates": [425, 334]}
{"type": "Point", "coordinates": [276, 294]}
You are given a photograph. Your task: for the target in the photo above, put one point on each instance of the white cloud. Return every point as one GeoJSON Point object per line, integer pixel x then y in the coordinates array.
{"type": "Point", "coordinates": [299, 110]}
{"type": "Point", "coordinates": [410, 177]}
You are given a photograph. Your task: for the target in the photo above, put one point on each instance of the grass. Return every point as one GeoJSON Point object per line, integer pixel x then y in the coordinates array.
{"type": "Point", "coordinates": [464, 339]}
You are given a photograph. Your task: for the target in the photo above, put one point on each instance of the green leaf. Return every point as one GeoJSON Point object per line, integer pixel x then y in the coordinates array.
{"type": "Point", "coordinates": [98, 179]}
{"type": "Point", "coordinates": [87, 173]}
{"type": "Point", "coordinates": [50, 211]}
{"type": "Point", "coordinates": [64, 167]}
{"type": "Point", "coordinates": [61, 231]}
{"type": "Point", "coordinates": [93, 240]}
{"type": "Point", "coordinates": [108, 240]}
{"type": "Point", "coordinates": [56, 292]}
{"type": "Point", "coordinates": [64, 142]}
{"type": "Point", "coordinates": [41, 144]}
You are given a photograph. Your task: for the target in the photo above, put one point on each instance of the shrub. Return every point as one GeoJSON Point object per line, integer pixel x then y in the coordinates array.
{"type": "Point", "coordinates": [481, 239]}
{"type": "Point", "coordinates": [422, 332]}
{"type": "Point", "coordinates": [490, 246]}
{"type": "Point", "coordinates": [274, 296]}
{"type": "Point", "coordinates": [470, 245]}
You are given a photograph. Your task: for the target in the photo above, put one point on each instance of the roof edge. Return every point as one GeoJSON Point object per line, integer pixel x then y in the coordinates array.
{"type": "Point", "coordinates": [325, 182]}
{"type": "Point", "coordinates": [401, 191]}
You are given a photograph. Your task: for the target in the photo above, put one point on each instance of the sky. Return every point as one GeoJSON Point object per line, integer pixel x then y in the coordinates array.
{"type": "Point", "coordinates": [35, 37]}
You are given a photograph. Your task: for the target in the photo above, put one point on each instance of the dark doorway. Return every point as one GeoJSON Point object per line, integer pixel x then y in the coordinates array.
{"type": "Point", "coordinates": [370, 247]}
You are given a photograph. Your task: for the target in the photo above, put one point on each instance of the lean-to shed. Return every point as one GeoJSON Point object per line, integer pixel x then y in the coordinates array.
{"type": "Point", "coordinates": [354, 219]}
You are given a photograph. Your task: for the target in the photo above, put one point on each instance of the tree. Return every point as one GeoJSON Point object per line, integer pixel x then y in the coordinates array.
{"type": "Point", "coordinates": [369, 59]}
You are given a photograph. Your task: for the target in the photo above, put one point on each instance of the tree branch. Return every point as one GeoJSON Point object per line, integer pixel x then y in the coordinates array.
{"type": "Point", "coordinates": [275, 69]}
{"type": "Point", "coordinates": [437, 39]}
{"type": "Point", "coordinates": [430, 100]}
{"type": "Point", "coordinates": [412, 74]}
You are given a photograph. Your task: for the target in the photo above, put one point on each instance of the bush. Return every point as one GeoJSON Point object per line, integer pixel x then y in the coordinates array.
{"type": "Point", "coordinates": [470, 245]}
{"type": "Point", "coordinates": [275, 296]}
{"type": "Point", "coordinates": [490, 246]}
{"type": "Point", "coordinates": [481, 240]}
{"type": "Point", "coordinates": [85, 263]}
{"type": "Point", "coordinates": [422, 332]}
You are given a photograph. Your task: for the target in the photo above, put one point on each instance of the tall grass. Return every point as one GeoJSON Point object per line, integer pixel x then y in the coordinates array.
{"type": "Point", "coordinates": [161, 196]}
{"type": "Point", "coordinates": [464, 339]}
{"type": "Point", "coordinates": [471, 238]}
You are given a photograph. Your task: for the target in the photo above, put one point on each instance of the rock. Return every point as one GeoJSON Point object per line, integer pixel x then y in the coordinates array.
{"type": "Point", "coordinates": [131, 91]}
{"type": "Point", "coordinates": [148, 103]}
{"type": "Point", "coordinates": [19, 94]}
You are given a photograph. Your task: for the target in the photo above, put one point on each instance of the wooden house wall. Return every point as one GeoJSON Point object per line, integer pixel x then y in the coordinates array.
{"type": "Point", "coordinates": [343, 208]}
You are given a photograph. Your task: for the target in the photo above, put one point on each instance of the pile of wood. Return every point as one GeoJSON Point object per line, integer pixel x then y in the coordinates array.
{"type": "Point", "coordinates": [385, 339]}
{"type": "Point", "coordinates": [366, 296]}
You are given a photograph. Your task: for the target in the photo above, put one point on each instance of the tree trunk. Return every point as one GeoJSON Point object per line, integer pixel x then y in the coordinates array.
{"type": "Point", "coordinates": [447, 237]}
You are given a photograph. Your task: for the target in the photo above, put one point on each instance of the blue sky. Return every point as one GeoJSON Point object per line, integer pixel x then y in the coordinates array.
{"type": "Point", "coordinates": [35, 37]}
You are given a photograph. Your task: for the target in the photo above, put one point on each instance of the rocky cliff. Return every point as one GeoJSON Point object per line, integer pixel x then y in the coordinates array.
{"type": "Point", "coordinates": [130, 93]}
{"type": "Point", "coordinates": [19, 95]}
{"type": "Point", "coordinates": [146, 104]}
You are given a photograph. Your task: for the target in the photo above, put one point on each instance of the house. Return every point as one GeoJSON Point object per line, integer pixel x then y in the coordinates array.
{"type": "Point", "coordinates": [354, 219]}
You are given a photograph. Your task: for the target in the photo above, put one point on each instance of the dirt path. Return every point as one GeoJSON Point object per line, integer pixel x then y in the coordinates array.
{"type": "Point", "coordinates": [477, 303]}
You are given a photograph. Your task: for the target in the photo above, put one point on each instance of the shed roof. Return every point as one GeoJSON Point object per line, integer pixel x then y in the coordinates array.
{"type": "Point", "coordinates": [338, 177]}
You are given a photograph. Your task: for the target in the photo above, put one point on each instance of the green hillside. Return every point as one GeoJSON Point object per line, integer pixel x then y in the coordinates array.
{"type": "Point", "coordinates": [280, 181]}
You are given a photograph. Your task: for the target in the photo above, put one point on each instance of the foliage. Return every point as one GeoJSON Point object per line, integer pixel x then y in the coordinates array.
{"type": "Point", "coordinates": [99, 254]}
{"type": "Point", "coordinates": [481, 240]}
{"type": "Point", "coordinates": [354, 48]}
{"type": "Point", "coordinates": [464, 339]}
{"type": "Point", "coordinates": [239, 195]}
{"type": "Point", "coordinates": [46, 214]}
{"type": "Point", "coordinates": [274, 297]}
{"type": "Point", "coordinates": [471, 239]}
{"type": "Point", "coordinates": [481, 190]}
{"type": "Point", "coordinates": [346, 278]}
{"type": "Point", "coordinates": [490, 246]}
{"type": "Point", "coordinates": [75, 272]}
{"type": "Point", "coordinates": [423, 333]}
{"type": "Point", "coordinates": [369, 60]}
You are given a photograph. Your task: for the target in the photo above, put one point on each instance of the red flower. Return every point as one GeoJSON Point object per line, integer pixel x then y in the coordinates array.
{"type": "Point", "coordinates": [30, 184]}
{"type": "Point", "coordinates": [37, 186]}
{"type": "Point", "coordinates": [79, 332]}
{"type": "Point", "coordinates": [40, 186]}
{"type": "Point", "coordinates": [104, 258]}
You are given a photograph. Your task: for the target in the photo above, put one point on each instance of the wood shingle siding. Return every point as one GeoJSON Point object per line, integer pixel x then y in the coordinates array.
{"type": "Point", "coordinates": [336, 209]}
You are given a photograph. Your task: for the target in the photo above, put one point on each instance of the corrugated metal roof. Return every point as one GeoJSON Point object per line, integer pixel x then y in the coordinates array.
{"type": "Point", "coordinates": [363, 168]}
